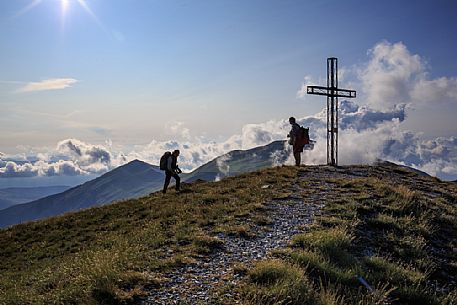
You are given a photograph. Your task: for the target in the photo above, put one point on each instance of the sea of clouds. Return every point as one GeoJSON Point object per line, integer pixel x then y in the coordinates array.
{"type": "Point", "coordinates": [391, 83]}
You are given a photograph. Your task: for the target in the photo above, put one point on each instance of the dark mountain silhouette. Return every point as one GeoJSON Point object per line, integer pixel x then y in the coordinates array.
{"type": "Point", "coordinates": [128, 181]}
{"type": "Point", "coordinates": [137, 179]}
{"type": "Point", "coordinates": [16, 195]}
{"type": "Point", "coordinates": [241, 161]}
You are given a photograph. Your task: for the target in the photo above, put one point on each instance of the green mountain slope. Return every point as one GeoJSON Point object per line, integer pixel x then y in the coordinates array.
{"type": "Point", "coordinates": [389, 225]}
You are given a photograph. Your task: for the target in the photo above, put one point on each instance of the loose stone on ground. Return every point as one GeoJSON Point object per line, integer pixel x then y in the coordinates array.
{"type": "Point", "coordinates": [195, 283]}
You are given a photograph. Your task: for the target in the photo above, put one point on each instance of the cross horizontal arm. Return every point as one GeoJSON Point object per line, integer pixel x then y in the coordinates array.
{"type": "Point", "coordinates": [336, 92]}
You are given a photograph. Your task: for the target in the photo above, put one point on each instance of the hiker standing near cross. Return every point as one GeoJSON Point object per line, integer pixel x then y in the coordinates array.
{"type": "Point", "coordinates": [332, 92]}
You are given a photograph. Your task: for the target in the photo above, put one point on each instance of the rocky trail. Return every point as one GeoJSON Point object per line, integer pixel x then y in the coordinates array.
{"type": "Point", "coordinates": [195, 283]}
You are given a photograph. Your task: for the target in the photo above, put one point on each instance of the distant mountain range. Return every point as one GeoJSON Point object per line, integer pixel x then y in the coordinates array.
{"type": "Point", "coordinates": [16, 195]}
{"type": "Point", "coordinates": [128, 181]}
{"type": "Point", "coordinates": [241, 161]}
{"type": "Point", "coordinates": [136, 179]}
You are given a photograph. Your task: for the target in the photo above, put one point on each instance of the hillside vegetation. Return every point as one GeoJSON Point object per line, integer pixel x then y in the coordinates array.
{"type": "Point", "coordinates": [394, 228]}
{"type": "Point", "coordinates": [137, 179]}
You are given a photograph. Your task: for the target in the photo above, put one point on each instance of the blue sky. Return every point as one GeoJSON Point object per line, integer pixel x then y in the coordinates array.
{"type": "Point", "coordinates": [126, 72]}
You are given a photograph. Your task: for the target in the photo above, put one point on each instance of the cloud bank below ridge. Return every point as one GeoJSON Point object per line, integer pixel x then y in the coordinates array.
{"type": "Point", "coordinates": [366, 136]}
{"type": "Point", "coordinates": [390, 84]}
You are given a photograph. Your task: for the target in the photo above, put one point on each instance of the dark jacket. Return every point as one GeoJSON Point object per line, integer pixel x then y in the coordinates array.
{"type": "Point", "coordinates": [172, 163]}
{"type": "Point", "coordinates": [294, 133]}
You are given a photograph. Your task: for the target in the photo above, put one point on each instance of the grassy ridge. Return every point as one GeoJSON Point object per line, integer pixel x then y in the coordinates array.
{"type": "Point", "coordinates": [395, 229]}
{"type": "Point", "coordinates": [106, 254]}
{"type": "Point", "coordinates": [399, 233]}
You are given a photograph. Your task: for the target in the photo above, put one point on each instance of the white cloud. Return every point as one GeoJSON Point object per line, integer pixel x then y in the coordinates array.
{"type": "Point", "coordinates": [364, 131]}
{"type": "Point", "coordinates": [40, 168]}
{"type": "Point", "coordinates": [84, 153]}
{"type": "Point", "coordinates": [442, 90]}
{"type": "Point", "coordinates": [71, 157]}
{"type": "Point", "coordinates": [366, 135]}
{"type": "Point", "coordinates": [392, 78]}
{"type": "Point", "coordinates": [48, 84]}
{"type": "Point", "coordinates": [177, 130]}
{"type": "Point", "coordinates": [281, 157]}
{"type": "Point", "coordinates": [307, 81]}
{"type": "Point", "coordinates": [391, 82]}
{"type": "Point", "coordinates": [223, 166]}
{"type": "Point", "coordinates": [11, 169]}
{"type": "Point", "coordinates": [390, 75]}
{"type": "Point", "coordinates": [59, 168]}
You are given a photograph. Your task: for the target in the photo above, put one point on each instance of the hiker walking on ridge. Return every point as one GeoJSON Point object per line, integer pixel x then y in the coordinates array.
{"type": "Point", "coordinates": [168, 163]}
{"type": "Point", "coordinates": [297, 138]}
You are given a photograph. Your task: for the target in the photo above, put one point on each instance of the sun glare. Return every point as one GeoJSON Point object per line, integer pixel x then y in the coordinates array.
{"type": "Point", "coordinates": [64, 5]}
{"type": "Point", "coordinates": [64, 8]}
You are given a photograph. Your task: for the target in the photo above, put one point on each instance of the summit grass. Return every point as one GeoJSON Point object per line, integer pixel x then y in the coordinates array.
{"type": "Point", "coordinates": [106, 255]}
{"type": "Point", "coordinates": [394, 228]}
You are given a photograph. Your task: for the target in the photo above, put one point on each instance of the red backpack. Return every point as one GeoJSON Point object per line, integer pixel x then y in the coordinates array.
{"type": "Point", "coordinates": [303, 136]}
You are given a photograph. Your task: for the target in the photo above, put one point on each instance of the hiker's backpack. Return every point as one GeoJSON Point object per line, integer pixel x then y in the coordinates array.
{"type": "Point", "coordinates": [164, 160]}
{"type": "Point", "coordinates": [303, 136]}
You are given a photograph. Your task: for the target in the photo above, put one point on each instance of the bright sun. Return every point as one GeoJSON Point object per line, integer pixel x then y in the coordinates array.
{"type": "Point", "coordinates": [64, 5]}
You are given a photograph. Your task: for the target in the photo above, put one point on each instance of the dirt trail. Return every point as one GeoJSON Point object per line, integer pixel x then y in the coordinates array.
{"type": "Point", "coordinates": [194, 283]}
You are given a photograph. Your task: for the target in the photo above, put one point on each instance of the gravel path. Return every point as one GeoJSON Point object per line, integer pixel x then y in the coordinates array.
{"type": "Point", "coordinates": [194, 283]}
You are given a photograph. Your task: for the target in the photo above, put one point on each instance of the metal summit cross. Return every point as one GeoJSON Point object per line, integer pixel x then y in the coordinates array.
{"type": "Point", "coordinates": [332, 92]}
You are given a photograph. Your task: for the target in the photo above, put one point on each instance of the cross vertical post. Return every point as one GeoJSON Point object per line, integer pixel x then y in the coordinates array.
{"type": "Point", "coordinates": [332, 116]}
{"type": "Point", "coordinates": [332, 92]}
